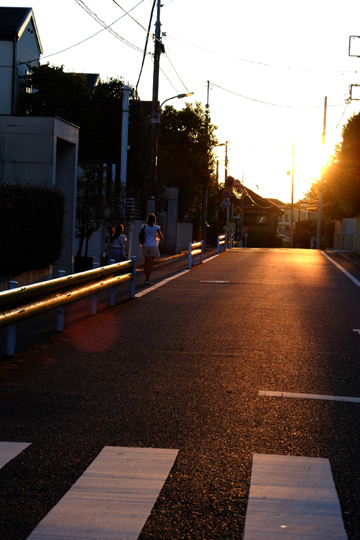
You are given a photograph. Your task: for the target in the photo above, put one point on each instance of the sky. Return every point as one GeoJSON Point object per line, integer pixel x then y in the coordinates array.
{"type": "Point", "coordinates": [270, 66]}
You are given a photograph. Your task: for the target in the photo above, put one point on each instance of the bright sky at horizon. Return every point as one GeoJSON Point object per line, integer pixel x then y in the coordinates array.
{"type": "Point", "coordinates": [270, 66]}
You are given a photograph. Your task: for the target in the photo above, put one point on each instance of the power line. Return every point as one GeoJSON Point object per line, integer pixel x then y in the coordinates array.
{"type": "Point", "coordinates": [262, 63]}
{"type": "Point", "coordinates": [273, 104]}
{"type": "Point", "coordinates": [106, 27]}
{"type": "Point", "coordinates": [145, 47]}
{"type": "Point", "coordinates": [172, 65]}
{"type": "Point", "coordinates": [83, 41]}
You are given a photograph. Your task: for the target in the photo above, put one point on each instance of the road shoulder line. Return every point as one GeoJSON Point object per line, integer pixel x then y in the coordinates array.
{"type": "Point", "coordinates": [269, 393]}
{"type": "Point", "coordinates": [354, 280]}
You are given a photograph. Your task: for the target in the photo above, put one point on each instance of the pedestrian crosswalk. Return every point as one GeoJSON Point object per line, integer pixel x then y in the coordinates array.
{"type": "Point", "coordinates": [294, 497]}
{"type": "Point", "coordinates": [9, 450]}
{"type": "Point", "coordinates": [289, 496]}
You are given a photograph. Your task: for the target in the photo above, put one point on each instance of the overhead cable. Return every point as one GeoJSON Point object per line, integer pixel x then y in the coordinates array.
{"type": "Point", "coordinates": [263, 63]}
{"type": "Point", "coordinates": [145, 47]}
{"type": "Point", "coordinates": [83, 41]}
{"type": "Point", "coordinates": [96, 18]}
{"type": "Point", "coordinates": [274, 104]}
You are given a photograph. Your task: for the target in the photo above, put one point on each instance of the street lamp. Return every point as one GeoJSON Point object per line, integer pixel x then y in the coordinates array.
{"type": "Point", "coordinates": [153, 151]}
{"type": "Point", "coordinates": [179, 96]}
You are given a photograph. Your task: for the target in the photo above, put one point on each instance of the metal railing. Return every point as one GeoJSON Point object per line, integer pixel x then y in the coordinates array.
{"type": "Point", "coordinates": [196, 249]}
{"type": "Point", "coordinates": [19, 303]}
{"type": "Point", "coordinates": [221, 242]}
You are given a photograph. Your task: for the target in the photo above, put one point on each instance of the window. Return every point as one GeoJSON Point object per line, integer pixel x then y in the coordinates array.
{"type": "Point", "coordinates": [262, 219]}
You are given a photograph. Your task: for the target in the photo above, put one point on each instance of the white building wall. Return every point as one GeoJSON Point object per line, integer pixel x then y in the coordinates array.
{"type": "Point", "coordinates": [43, 150]}
{"type": "Point", "coordinates": [6, 74]}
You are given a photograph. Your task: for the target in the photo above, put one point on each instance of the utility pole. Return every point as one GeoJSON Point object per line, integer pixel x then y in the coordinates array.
{"type": "Point", "coordinates": [318, 232]}
{"type": "Point", "coordinates": [159, 48]}
{"type": "Point", "coordinates": [292, 197]}
{"type": "Point", "coordinates": [204, 206]}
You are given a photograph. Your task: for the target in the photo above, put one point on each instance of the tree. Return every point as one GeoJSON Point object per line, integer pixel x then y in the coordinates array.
{"type": "Point", "coordinates": [340, 182]}
{"type": "Point", "coordinates": [55, 93]}
{"type": "Point", "coordinates": [185, 158]}
{"type": "Point", "coordinates": [90, 204]}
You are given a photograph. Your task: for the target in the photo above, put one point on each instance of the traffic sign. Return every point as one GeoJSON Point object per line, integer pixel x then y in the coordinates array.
{"type": "Point", "coordinates": [226, 194]}
{"type": "Point", "coordinates": [225, 204]}
{"type": "Point", "coordinates": [237, 184]}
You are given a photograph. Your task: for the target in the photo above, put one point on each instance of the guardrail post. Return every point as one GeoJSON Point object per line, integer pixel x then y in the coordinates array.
{"type": "Point", "coordinates": [112, 290]}
{"type": "Point", "coordinates": [93, 299]}
{"type": "Point", "coordinates": [133, 281]}
{"type": "Point", "coordinates": [60, 314]}
{"type": "Point", "coordinates": [202, 252]}
{"type": "Point", "coordinates": [190, 249]}
{"type": "Point", "coordinates": [11, 329]}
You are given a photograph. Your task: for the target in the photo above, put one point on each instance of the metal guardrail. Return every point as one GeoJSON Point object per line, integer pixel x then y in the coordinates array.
{"type": "Point", "coordinates": [20, 303]}
{"type": "Point", "coordinates": [196, 249]}
{"type": "Point", "coordinates": [221, 242]}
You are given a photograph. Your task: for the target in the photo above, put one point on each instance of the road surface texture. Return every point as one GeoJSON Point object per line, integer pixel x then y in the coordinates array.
{"type": "Point", "coordinates": [210, 407]}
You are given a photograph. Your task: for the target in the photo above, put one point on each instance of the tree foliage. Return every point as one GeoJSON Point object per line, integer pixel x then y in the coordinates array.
{"type": "Point", "coordinates": [55, 93]}
{"type": "Point", "coordinates": [340, 182]}
{"type": "Point", "coordinates": [185, 157]}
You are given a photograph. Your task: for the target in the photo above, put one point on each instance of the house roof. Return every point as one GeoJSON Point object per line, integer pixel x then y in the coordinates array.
{"type": "Point", "coordinates": [277, 202]}
{"type": "Point", "coordinates": [13, 23]}
{"type": "Point", "coordinates": [92, 79]}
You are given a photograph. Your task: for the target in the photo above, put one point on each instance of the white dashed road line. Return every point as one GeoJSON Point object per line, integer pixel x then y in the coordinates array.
{"type": "Point", "coordinates": [294, 498]}
{"type": "Point", "coordinates": [112, 499]}
{"type": "Point", "coordinates": [270, 393]}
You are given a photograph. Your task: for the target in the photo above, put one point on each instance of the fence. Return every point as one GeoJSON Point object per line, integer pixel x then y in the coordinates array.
{"type": "Point", "coordinates": [221, 242]}
{"type": "Point", "coordinates": [19, 303]}
{"type": "Point", "coordinates": [196, 249]}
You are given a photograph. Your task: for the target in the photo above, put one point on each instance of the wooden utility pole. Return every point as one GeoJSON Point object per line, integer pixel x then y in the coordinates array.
{"type": "Point", "coordinates": [292, 198]}
{"type": "Point", "coordinates": [204, 205]}
{"type": "Point", "coordinates": [159, 48]}
{"type": "Point", "coordinates": [318, 232]}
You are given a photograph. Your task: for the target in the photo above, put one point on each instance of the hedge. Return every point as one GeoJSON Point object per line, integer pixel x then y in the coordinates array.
{"type": "Point", "coordinates": [266, 238]}
{"type": "Point", "coordinates": [31, 225]}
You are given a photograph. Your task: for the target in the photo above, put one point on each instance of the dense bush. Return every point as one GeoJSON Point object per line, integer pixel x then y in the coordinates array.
{"type": "Point", "coordinates": [303, 231]}
{"type": "Point", "coordinates": [215, 228]}
{"type": "Point", "coordinates": [31, 225]}
{"type": "Point", "coordinates": [266, 238]}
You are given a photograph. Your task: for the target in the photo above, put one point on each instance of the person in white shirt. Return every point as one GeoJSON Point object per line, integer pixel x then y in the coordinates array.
{"type": "Point", "coordinates": [150, 249]}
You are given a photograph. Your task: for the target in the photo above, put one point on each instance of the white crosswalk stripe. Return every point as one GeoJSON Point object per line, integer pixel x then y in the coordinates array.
{"type": "Point", "coordinates": [9, 450]}
{"type": "Point", "coordinates": [294, 497]}
{"type": "Point", "coordinates": [112, 499]}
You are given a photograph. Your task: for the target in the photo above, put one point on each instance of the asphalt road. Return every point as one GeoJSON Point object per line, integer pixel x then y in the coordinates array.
{"type": "Point", "coordinates": [181, 368]}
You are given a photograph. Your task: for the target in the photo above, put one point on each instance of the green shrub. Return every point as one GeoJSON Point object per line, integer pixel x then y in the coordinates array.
{"type": "Point", "coordinates": [329, 231]}
{"type": "Point", "coordinates": [214, 229]}
{"type": "Point", "coordinates": [31, 225]}
{"type": "Point", "coordinates": [266, 238]}
{"type": "Point", "coordinates": [303, 231]}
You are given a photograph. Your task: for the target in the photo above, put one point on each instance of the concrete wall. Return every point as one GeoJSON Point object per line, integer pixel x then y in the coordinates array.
{"type": "Point", "coordinates": [357, 234]}
{"type": "Point", "coordinates": [344, 234]}
{"type": "Point", "coordinates": [43, 150]}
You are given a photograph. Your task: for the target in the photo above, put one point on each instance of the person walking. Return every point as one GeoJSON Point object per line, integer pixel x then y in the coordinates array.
{"type": "Point", "coordinates": [118, 241]}
{"type": "Point", "coordinates": [150, 248]}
